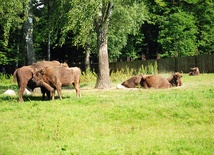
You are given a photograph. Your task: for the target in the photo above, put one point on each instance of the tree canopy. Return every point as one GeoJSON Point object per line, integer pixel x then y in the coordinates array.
{"type": "Point", "coordinates": [69, 29]}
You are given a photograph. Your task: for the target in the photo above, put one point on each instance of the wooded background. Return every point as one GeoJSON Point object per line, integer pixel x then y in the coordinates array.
{"type": "Point", "coordinates": [205, 63]}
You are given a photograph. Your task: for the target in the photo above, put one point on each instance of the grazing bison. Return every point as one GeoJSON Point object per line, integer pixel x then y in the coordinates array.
{"type": "Point", "coordinates": [194, 71]}
{"type": "Point", "coordinates": [132, 82]}
{"type": "Point", "coordinates": [57, 77]}
{"type": "Point", "coordinates": [23, 76]}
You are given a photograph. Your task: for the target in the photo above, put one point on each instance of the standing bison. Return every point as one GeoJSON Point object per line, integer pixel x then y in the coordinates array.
{"type": "Point", "coordinates": [153, 81]}
{"type": "Point", "coordinates": [23, 76]}
{"type": "Point", "coordinates": [57, 77]}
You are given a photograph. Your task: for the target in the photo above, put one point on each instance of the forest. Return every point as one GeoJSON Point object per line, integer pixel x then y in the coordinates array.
{"type": "Point", "coordinates": [82, 31]}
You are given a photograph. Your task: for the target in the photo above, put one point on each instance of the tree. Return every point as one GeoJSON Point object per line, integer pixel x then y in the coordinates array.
{"type": "Point", "coordinates": [12, 16]}
{"type": "Point", "coordinates": [105, 23]}
{"type": "Point", "coordinates": [178, 35]}
{"type": "Point", "coordinates": [28, 34]}
{"type": "Point", "coordinates": [204, 15]}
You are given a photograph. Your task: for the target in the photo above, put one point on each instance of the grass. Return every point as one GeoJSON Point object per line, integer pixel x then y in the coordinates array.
{"type": "Point", "coordinates": [128, 121]}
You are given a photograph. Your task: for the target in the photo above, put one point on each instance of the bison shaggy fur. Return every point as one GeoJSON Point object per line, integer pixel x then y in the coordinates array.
{"type": "Point", "coordinates": [57, 77]}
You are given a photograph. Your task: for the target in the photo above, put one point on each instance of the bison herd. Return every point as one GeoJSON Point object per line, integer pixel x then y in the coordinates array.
{"type": "Point", "coordinates": [153, 81]}
{"type": "Point", "coordinates": [49, 75]}
{"type": "Point", "coordinates": [52, 75]}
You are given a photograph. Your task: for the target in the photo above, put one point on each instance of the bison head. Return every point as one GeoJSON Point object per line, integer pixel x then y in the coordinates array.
{"type": "Point", "coordinates": [175, 79]}
{"type": "Point", "coordinates": [38, 75]}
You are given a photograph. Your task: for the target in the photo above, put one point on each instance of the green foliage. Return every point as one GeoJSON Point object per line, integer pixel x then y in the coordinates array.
{"type": "Point", "coordinates": [178, 35]}
{"type": "Point", "coordinates": [149, 69]}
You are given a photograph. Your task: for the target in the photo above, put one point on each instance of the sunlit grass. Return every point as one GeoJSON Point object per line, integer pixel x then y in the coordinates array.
{"type": "Point", "coordinates": [128, 121]}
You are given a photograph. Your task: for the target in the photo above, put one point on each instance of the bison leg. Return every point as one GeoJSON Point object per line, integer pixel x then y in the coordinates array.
{"type": "Point", "coordinates": [59, 91]}
{"type": "Point", "coordinates": [53, 94]}
{"type": "Point", "coordinates": [77, 88]}
{"type": "Point", "coordinates": [45, 91]}
{"type": "Point", "coordinates": [21, 91]}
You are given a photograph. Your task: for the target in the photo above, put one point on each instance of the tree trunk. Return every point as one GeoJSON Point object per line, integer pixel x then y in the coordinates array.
{"type": "Point", "coordinates": [28, 33]}
{"type": "Point", "coordinates": [49, 34]}
{"type": "Point", "coordinates": [103, 78]}
{"type": "Point", "coordinates": [87, 58]}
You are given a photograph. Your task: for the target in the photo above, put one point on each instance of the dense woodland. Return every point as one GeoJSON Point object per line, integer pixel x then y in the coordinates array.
{"type": "Point", "coordinates": [89, 31]}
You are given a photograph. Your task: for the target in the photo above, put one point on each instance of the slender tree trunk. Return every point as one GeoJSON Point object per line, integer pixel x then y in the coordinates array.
{"type": "Point", "coordinates": [49, 35]}
{"type": "Point", "coordinates": [87, 58]}
{"type": "Point", "coordinates": [49, 47]}
{"type": "Point", "coordinates": [28, 33]}
{"type": "Point", "coordinates": [103, 79]}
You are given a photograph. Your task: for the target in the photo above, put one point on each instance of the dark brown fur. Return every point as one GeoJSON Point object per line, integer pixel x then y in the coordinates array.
{"type": "Point", "coordinates": [57, 77]}
{"type": "Point", "coordinates": [132, 82]}
{"type": "Point", "coordinates": [194, 71]}
{"type": "Point", "coordinates": [23, 76]}
{"type": "Point", "coordinates": [175, 79]}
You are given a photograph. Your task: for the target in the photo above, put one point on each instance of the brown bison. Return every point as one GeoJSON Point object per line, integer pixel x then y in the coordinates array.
{"type": "Point", "coordinates": [23, 76]}
{"type": "Point", "coordinates": [57, 77]}
{"type": "Point", "coordinates": [132, 82]}
{"type": "Point", "coordinates": [156, 81]}
{"type": "Point", "coordinates": [153, 81]}
{"type": "Point", "coordinates": [194, 71]}
{"type": "Point", "coordinates": [175, 79]}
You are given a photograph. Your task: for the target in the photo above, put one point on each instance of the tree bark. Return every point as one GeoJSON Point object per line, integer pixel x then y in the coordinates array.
{"type": "Point", "coordinates": [103, 78]}
{"type": "Point", "coordinates": [87, 58]}
{"type": "Point", "coordinates": [28, 33]}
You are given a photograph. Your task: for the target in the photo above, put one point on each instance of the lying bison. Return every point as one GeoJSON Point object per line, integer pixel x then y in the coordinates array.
{"type": "Point", "coordinates": [156, 81]}
{"type": "Point", "coordinates": [132, 82]}
{"type": "Point", "coordinates": [194, 71]}
{"type": "Point", "coordinates": [23, 76]}
{"type": "Point", "coordinates": [57, 77]}
{"type": "Point", "coordinates": [175, 79]}
{"type": "Point", "coordinates": [153, 81]}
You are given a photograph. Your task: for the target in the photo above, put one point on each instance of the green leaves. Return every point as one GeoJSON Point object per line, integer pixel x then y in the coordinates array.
{"type": "Point", "coordinates": [178, 35]}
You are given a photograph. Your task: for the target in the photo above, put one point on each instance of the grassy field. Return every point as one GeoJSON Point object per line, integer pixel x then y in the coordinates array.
{"type": "Point", "coordinates": [127, 121]}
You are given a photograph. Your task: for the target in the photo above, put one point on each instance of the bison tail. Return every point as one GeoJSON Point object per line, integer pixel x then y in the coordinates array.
{"type": "Point", "coordinates": [15, 76]}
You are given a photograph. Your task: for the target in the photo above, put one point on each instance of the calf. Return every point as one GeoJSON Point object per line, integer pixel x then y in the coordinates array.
{"type": "Point", "coordinates": [57, 77]}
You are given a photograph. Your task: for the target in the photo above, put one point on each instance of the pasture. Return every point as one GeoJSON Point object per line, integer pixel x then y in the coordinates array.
{"type": "Point", "coordinates": [116, 121]}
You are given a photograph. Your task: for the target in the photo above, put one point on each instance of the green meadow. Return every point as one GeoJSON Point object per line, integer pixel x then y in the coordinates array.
{"type": "Point", "coordinates": [176, 121]}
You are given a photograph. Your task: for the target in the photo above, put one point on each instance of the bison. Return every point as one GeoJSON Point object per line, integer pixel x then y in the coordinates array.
{"type": "Point", "coordinates": [153, 81]}
{"type": "Point", "coordinates": [132, 82]}
{"type": "Point", "coordinates": [156, 81]}
{"type": "Point", "coordinates": [194, 71]}
{"type": "Point", "coordinates": [175, 79]}
{"type": "Point", "coordinates": [23, 76]}
{"type": "Point", "coordinates": [57, 77]}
